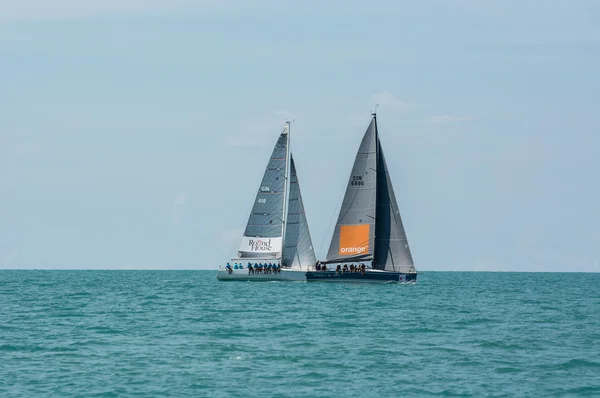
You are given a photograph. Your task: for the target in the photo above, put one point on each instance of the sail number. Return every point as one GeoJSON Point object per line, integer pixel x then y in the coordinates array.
{"type": "Point", "coordinates": [356, 180]}
{"type": "Point", "coordinates": [263, 200]}
{"type": "Point", "coordinates": [265, 189]}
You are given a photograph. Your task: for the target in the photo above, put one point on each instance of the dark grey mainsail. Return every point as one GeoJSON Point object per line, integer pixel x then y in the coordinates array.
{"type": "Point", "coordinates": [369, 226]}
{"type": "Point", "coordinates": [263, 237]}
{"type": "Point", "coordinates": [298, 251]}
{"type": "Point", "coordinates": [354, 232]}
{"type": "Point", "coordinates": [391, 245]}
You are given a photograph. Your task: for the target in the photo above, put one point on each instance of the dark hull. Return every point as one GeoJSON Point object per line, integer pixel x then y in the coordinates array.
{"type": "Point", "coordinates": [381, 277]}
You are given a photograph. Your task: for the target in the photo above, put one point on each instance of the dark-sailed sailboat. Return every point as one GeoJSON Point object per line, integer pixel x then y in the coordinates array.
{"type": "Point", "coordinates": [369, 234]}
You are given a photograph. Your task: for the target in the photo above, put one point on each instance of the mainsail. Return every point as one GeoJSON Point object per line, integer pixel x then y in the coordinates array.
{"type": "Point", "coordinates": [369, 226]}
{"type": "Point", "coordinates": [263, 237]}
{"type": "Point", "coordinates": [354, 233]}
{"type": "Point", "coordinates": [298, 250]}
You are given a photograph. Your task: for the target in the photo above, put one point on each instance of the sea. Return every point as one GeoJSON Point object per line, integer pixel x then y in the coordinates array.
{"type": "Point", "coordinates": [185, 334]}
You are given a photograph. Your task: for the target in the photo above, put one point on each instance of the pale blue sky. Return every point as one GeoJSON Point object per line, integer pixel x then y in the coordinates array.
{"type": "Point", "coordinates": [134, 134]}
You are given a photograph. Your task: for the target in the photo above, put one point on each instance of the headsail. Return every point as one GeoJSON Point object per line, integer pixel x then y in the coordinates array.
{"type": "Point", "coordinates": [391, 245]}
{"type": "Point", "coordinates": [263, 237]}
{"type": "Point", "coordinates": [298, 251]}
{"type": "Point", "coordinates": [353, 236]}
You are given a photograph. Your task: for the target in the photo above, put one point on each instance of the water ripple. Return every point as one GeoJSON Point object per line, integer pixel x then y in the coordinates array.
{"type": "Point", "coordinates": [184, 334]}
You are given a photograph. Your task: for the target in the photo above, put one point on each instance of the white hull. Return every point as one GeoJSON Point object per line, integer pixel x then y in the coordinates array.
{"type": "Point", "coordinates": [243, 275]}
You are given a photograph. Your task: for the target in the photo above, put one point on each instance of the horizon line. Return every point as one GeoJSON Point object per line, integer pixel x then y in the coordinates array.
{"type": "Point", "coordinates": [215, 270]}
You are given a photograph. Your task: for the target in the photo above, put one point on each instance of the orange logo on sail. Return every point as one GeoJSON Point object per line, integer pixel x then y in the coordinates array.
{"type": "Point", "coordinates": [354, 239]}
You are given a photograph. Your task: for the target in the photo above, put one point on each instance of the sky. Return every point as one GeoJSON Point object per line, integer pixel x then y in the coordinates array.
{"type": "Point", "coordinates": [134, 134]}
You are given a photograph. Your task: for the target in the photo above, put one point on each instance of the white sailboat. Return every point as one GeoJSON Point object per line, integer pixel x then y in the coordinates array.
{"type": "Point", "coordinates": [276, 244]}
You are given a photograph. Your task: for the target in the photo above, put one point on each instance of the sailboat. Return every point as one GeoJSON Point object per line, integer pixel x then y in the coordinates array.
{"type": "Point", "coordinates": [369, 233]}
{"type": "Point", "coordinates": [276, 244]}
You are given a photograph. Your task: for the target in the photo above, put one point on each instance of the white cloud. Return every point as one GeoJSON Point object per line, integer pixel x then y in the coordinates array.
{"type": "Point", "coordinates": [179, 207]}
{"type": "Point", "coordinates": [66, 9]}
{"type": "Point", "coordinates": [451, 119]}
{"type": "Point", "coordinates": [388, 100]}
{"type": "Point", "coordinates": [254, 132]}
{"type": "Point", "coordinates": [181, 198]}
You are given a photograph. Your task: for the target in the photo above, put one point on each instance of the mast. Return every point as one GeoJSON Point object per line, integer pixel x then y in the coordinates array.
{"type": "Point", "coordinates": [285, 186]}
{"type": "Point", "coordinates": [374, 114]}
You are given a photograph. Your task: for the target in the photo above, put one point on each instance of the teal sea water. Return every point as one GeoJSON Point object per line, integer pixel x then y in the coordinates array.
{"type": "Point", "coordinates": [185, 334]}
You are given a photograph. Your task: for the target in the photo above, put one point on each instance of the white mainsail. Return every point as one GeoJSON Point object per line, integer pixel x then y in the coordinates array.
{"type": "Point", "coordinates": [263, 236]}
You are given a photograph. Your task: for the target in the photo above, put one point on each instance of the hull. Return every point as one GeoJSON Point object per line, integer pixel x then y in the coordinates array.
{"type": "Point", "coordinates": [319, 276]}
{"type": "Point", "coordinates": [357, 277]}
{"type": "Point", "coordinates": [243, 275]}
